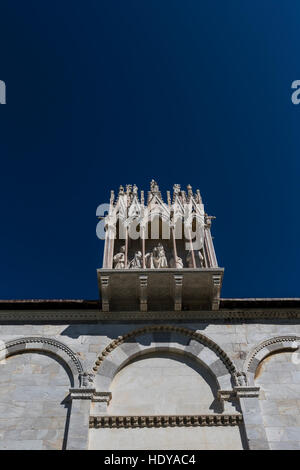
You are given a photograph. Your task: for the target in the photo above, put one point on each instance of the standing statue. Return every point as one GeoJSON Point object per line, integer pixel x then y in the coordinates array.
{"type": "Point", "coordinates": [201, 259]}
{"type": "Point", "coordinates": [154, 187]}
{"type": "Point", "coordinates": [149, 260]}
{"type": "Point", "coordinates": [189, 260]}
{"type": "Point", "coordinates": [136, 262]}
{"type": "Point", "coordinates": [119, 259]}
{"type": "Point", "coordinates": [178, 264]}
{"type": "Point", "coordinates": [157, 259]}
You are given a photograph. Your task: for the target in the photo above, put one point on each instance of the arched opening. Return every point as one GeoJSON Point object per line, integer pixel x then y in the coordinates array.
{"type": "Point", "coordinates": [157, 387]}
{"type": "Point", "coordinates": [278, 376]}
{"type": "Point", "coordinates": [34, 409]}
{"type": "Point", "coordinates": [164, 383]}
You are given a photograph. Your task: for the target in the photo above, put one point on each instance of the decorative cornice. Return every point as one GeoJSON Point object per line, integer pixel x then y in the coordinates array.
{"type": "Point", "coordinates": [95, 315]}
{"type": "Point", "coordinates": [81, 304]}
{"type": "Point", "coordinates": [164, 421]}
{"type": "Point", "coordinates": [201, 315]}
{"type": "Point", "coordinates": [161, 328]}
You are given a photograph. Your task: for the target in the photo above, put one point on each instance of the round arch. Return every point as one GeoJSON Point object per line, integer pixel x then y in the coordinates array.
{"type": "Point", "coordinates": [269, 346]}
{"type": "Point", "coordinates": [165, 338]}
{"type": "Point", "coordinates": [47, 345]}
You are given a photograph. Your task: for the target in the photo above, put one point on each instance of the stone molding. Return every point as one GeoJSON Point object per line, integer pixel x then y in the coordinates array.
{"type": "Point", "coordinates": [201, 315]}
{"type": "Point", "coordinates": [63, 316]}
{"type": "Point", "coordinates": [168, 328]}
{"type": "Point", "coordinates": [238, 392]}
{"type": "Point", "coordinates": [81, 393]}
{"type": "Point", "coordinates": [102, 397]}
{"type": "Point", "coordinates": [44, 344]}
{"type": "Point", "coordinates": [247, 392]}
{"type": "Point", "coordinates": [276, 343]}
{"type": "Point", "coordinates": [164, 421]}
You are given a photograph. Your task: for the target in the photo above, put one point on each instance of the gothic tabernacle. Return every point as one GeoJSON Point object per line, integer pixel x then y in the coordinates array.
{"type": "Point", "coordinates": [168, 246]}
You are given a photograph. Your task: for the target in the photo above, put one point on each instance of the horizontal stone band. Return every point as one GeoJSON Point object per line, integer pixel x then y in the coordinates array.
{"type": "Point", "coordinates": [164, 421]}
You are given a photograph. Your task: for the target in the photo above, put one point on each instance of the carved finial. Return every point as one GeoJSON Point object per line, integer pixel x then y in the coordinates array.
{"type": "Point", "coordinates": [199, 198]}
{"type": "Point", "coordinates": [135, 189]}
{"type": "Point", "coordinates": [121, 191]}
{"type": "Point", "coordinates": [154, 187]}
{"type": "Point", "coordinates": [190, 190]}
{"type": "Point", "coordinates": [176, 188]}
{"type": "Point", "coordinates": [112, 197]}
{"type": "Point", "coordinates": [169, 198]}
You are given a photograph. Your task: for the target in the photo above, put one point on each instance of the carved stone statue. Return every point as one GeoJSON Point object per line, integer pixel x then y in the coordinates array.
{"type": "Point", "coordinates": [178, 264]}
{"type": "Point", "coordinates": [119, 259]}
{"type": "Point", "coordinates": [86, 379]}
{"type": "Point", "coordinates": [189, 260]}
{"type": "Point", "coordinates": [160, 259]}
{"type": "Point", "coordinates": [154, 187]}
{"type": "Point", "coordinates": [149, 260]}
{"type": "Point", "coordinates": [201, 259]}
{"type": "Point", "coordinates": [157, 259]}
{"type": "Point", "coordinates": [136, 262]}
{"type": "Point", "coordinates": [241, 379]}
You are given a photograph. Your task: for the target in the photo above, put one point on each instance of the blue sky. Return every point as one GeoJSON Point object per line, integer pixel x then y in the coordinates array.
{"type": "Point", "coordinates": [103, 93]}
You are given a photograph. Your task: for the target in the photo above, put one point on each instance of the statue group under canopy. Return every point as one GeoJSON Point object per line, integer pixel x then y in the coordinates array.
{"type": "Point", "coordinates": [155, 259]}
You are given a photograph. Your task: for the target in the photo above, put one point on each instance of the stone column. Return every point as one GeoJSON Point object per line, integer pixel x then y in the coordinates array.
{"type": "Point", "coordinates": [252, 417]}
{"type": "Point", "coordinates": [111, 233]}
{"type": "Point", "coordinates": [78, 432]}
{"type": "Point", "coordinates": [208, 244]}
{"type": "Point", "coordinates": [174, 245]}
{"type": "Point", "coordinates": [143, 229]}
{"type": "Point", "coordinates": [126, 248]}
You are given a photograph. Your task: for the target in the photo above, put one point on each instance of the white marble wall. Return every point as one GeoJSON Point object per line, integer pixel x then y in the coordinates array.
{"type": "Point", "coordinates": [163, 384]}
{"type": "Point", "coordinates": [279, 379]}
{"type": "Point", "coordinates": [33, 388]}
{"type": "Point", "coordinates": [199, 438]}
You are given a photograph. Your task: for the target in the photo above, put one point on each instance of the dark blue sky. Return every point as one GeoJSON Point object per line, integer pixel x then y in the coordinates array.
{"type": "Point", "coordinates": [103, 93]}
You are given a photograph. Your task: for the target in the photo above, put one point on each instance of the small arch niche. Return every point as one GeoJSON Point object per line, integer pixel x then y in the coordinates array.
{"type": "Point", "coordinates": [163, 383]}
{"type": "Point", "coordinates": [34, 409]}
{"type": "Point", "coordinates": [278, 376]}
